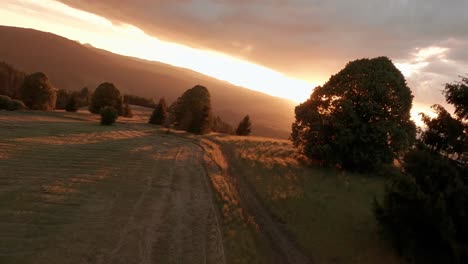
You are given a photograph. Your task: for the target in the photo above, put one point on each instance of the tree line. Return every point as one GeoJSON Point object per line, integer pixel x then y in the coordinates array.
{"type": "Point", "coordinates": [190, 112]}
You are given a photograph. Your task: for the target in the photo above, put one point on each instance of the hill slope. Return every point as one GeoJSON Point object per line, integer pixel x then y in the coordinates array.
{"type": "Point", "coordinates": [71, 65]}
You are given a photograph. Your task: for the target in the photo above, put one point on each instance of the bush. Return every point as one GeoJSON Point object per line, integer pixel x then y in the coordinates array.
{"type": "Point", "coordinates": [16, 105]}
{"type": "Point", "coordinates": [108, 115]}
{"type": "Point", "coordinates": [106, 94]}
{"type": "Point", "coordinates": [359, 119]}
{"type": "Point", "coordinates": [72, 105]}
{"type": "Point", "coordinates": [4, 102]}
{"type": "Point", "coordinates": [37, 92]}
{"type": "Point", "coordinates": [425, 210]}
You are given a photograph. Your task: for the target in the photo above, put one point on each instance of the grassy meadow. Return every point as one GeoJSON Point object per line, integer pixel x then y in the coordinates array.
{"type": "Point", "coordinates": [328, 211]}
{"type": "Point", "coordinates": [73, 191]}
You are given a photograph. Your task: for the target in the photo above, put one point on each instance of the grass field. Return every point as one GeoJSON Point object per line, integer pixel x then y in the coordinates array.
{"type": "Point", "coordinates": [327, 211]}
{"type": "Point", "coordinates": [72, 191]}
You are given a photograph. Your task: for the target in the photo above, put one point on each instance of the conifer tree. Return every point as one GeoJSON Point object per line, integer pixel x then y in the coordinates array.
{"type": "Point", "coordinates": [245, 127]}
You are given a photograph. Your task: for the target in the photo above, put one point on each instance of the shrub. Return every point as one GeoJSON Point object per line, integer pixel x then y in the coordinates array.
{"type": "Point", "coordinates": [37, 92]}
{"type": "Point", "coordinates": [4, 102]}
{"type": "Point", "coordinates": [425, 210]}
{"type": "Point", "coordinates": [359, 119]}
{"type": "Point", "coordinates": [108, 115]}
{"type": "Point", "coordinates": [72, 105]}
{"type": "Point", "coordinates": [106, 94]}
{"type": "Point", "coordinates": [16, 105]}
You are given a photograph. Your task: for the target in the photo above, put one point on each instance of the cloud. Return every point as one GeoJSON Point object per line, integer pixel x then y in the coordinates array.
{"type": "Point", "coordinates": [312, 39]}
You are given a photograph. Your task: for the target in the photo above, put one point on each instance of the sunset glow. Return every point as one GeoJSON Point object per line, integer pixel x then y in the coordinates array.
{"type": "Point", "coordinates": [128, 40]}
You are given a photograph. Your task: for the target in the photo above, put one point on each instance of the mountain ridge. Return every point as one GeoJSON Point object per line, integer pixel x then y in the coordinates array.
{"type": "Point", "coordinates": [72, 65]}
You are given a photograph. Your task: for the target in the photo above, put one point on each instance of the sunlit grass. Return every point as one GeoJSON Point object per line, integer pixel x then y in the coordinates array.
{"type": "Point", "coordinates": [328, 211]}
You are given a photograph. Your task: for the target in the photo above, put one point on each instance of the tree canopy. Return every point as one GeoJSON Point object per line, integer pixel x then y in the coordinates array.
{"type": "Point", "coordinates": [38, 93]}
{"type": "Point", "coordinates": [425, 208]}
{"type": "Point", "coordinates": [106, 94]}
{"type": "Point", "coordinates": [359, 119]}
{"type": "Point", "coordinates": [457, 95]}
{"type": "Point", "coordinates": [192, 111]}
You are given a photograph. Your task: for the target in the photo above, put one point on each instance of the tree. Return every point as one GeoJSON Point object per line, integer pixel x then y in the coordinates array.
{"type": "Point", "coordinates": [11, 80]}
{"type": "Point", "coordinates": [63, 96]}
{"type": "Point", "coordinates": [140, 101]}
{"type": "Point", "coordinates": [72, 104]}
{"type": "Point", "coordinates": [245, 127]}
{"type": "Point", "coordinates": [84, 96]}
{"type": "Point", "coordinates": [37, 92]}
{"type": "Point", "coordinates": [108, 115]}
{"type": "Point", "coordinates": [444, 134]}
{"type": "Point", "coordinates": [457, 95]}
{"type": "Point", "coordinates": [201, 122]}
{"type": "Point", "coordinates": [218, 125]}
{"type": "Point", "coordinates": [106, 94]}
{"type": "Point", "coordinates": [425, 208]}
{"type": "Point", "coordinates": [359, 119]}
{"type": "Point", "coordinates": [192, 111]}
{"type": "Point", "coordinates": [160, 113]}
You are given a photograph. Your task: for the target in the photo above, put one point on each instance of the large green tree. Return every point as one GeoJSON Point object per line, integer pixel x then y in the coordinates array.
{"type": "Point", "coordinates": [106, 94]}
{"type": "Point", "coordinates": [192, 111]}
{"type": "Point", "coordinates": [359, 119]}
{"type": "Point", "coordinates": [38, 93]}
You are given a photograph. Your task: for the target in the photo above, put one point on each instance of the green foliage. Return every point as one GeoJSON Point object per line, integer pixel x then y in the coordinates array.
{"type": "Point", "coordinates": [140, 101]}
{"type": "Point", "coordinates": [359, 119]}
{"type": "Point", "coordinates": [37, 92]}
{"type": "Point", "coordinates": [219, 126]}
{"type": "Point", "coordinates": [4, 102]}
{"type": "Point", "coordinates": [457, 95]}
{"type": "Point", "coordinates": [108, 115]}
{"type": "Point", "coordinates": [444, 133]}
{"type": "Point", "coordinates": [160, 113]}
{"type": "Point", "coordinates": [72, 104]}
{"type": "Point", "coordinates": [192, 111]}
{"type": "Point", "coordinates": [16, 105]}
{"type": "Point", "coordinates": [425, 210]}
{"type": "Point", "coordinates": [245, 127]}
{"type": "Point", "coordinates": [106, 94]}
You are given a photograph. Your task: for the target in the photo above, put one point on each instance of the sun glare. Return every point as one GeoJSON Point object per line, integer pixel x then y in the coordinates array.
{"type": "Point", "coordinates": [129, 40]}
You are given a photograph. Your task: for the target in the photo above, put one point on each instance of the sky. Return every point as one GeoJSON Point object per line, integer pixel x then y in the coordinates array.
{"type": "Point", "coordinates": [280, 47]}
